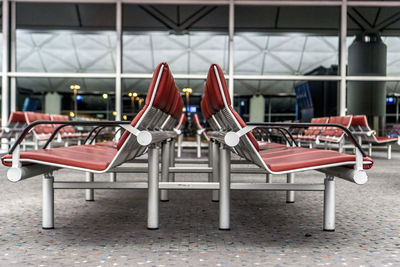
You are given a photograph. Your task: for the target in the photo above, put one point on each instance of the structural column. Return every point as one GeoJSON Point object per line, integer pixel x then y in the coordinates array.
{"type": "Point", "coordinates": [13, 81]}
{"type": "Point", "coordinates": [257, 108]}
{"type": "Point", "coordinates": [343, 59]}
{"type": "Point", "coordinates": [231, 51]}
{"type": "Point", "coordinates": [5, 63]}
{"type": "Point", "coordinates": [118, 65]}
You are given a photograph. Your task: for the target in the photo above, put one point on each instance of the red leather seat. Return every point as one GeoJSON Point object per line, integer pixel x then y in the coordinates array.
{"type": "Point", "coordinates": [292, 158]}
{"type": "Point", "coordinates": [88, 157]}
{"type": "Point", "coordinates": [382, 139]}
{"type": "Point", "coordinates": [268, 145]}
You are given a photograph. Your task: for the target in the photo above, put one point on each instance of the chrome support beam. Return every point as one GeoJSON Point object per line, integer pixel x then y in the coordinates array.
{"type": "Point", "coordinates": [48, 202]}
{"type": "Point", "coordinates": [89, 192]}
{"type": "Point", "coordinates": [224, 190]}
{"type": "Point", "coordinates": [153, 194]}
{"type": "Point", "coordinates": [329, 204]}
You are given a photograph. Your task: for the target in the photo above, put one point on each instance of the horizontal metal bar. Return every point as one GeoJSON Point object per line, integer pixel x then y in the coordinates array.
{"type": "Point", "coordinates": [191, 169]}
{"type": "Point", "coordinates": [236, 2]}
{"type": "Point", "coordinates": [373, 78]}
{"type": "Point", "coordinates": [130, 170]}
{"type": "Point", "coordinates": [200, 76]}
{"type": "Point", "coordinates": [99, 185]}
{"type": "Point", "coordinates": [288, 77]}
{"type": "Point", "coordinates": [187, 161]}
{"type": "Point", "coordinates": [61, 75]}
{"type": "Point", "coordinates": [286, 3]}
{"type": "Point", "coordinates": [188, 186]}
{"type": "Point", "coordinates": [249, 170]}
{"type": "Point", "coordinates": [277, 187]}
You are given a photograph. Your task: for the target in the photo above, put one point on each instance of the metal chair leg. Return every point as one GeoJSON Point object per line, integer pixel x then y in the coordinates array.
{"type": "Point", "coordinates": [389, 152]}
{"type": "Point", "coordinates": [48, 202]}
{"type": "Point", "coordinates": [113, 177]}
{"type": "Point", "coordinates": [268, 179]}
{"type": "Point", "coordinates": [165, 153]}
{"type": "Point", "coordinates": [153, 197]}
{"type": "Point", "coordinates": [329, 204]}
{"type": "Point", "coordinates": [198, 141]}
{"type": "Point", "coordinates": [89, 193]}
{"type": "Point", "coordinates": [290, 194]}
{"type": "Point", "coordinates": [215, 169]}
{"type": "Point", "coordinates": [180, 140]}
{"type": "Point", "coordinates": [171, 177]}
{"type": "Point", "coordinates": [224, 189]}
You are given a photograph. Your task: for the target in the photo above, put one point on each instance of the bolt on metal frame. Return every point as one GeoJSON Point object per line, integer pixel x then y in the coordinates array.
{"type": "Point", "coordinates": [9, 72]}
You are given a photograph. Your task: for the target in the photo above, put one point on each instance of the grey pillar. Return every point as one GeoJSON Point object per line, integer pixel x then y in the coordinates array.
{"type": "Point", "coordinates": [367, 57]}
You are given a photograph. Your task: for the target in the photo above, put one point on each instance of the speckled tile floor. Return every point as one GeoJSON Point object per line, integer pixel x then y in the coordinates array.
{"type": "Point", "coordinates": [265, 230]}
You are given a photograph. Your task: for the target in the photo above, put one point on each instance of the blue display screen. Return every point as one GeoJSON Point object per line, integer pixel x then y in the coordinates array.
{"type": "Point", "coordinates": [192, 109]}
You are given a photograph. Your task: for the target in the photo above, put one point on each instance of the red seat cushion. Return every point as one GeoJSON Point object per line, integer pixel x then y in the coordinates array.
{"type": "Point", "coordinates": [88, 157]}
{"type": "Point", "coordinates": [382, 139]}
{"type": "Point", "coordinates": [292, 158]}
{"type": "Point", "coordinates": [268, 145]}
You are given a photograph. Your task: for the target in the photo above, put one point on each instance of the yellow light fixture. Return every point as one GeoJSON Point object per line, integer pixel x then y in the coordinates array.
{"type": "Point", "coordinates": [105, 96]}
{"type": "Point", "coordinates": [130, 94]}
{"type": "Point", "coordinates": [187, 90]}
{"type": "Point", "coordinates": [114, 113]}
{"type": "Point", "coordinates": [125, 117]}
{"type": "Point", "coordinates": [75, 87]}
{"type": "Point", "coordinates": [135, 94]}
{"type": "Point", "coordinates": [71, 114]}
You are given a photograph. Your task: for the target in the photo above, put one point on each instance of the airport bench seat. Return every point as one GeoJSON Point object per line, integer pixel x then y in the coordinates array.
{"type": "Point", "coordinates": [283, 159]}
{"type": "Point", "coordinates": [231, 134]}
{"type": "Point", "coordinates": [85, 156]}
{"type": "Point", "coordinates": [150, 128]}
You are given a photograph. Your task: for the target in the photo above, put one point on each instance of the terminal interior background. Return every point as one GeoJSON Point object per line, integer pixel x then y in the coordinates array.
{"type": "Point", "coordinates": [77, 44]}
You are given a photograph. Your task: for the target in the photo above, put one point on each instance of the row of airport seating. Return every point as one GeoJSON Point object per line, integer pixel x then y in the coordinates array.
{"type": "Point", "coordinates": [330, 137]}
{"type": "Point", "coordinates": [39, 135]}
{"type": "Point", "coordinates": [156, 128]}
